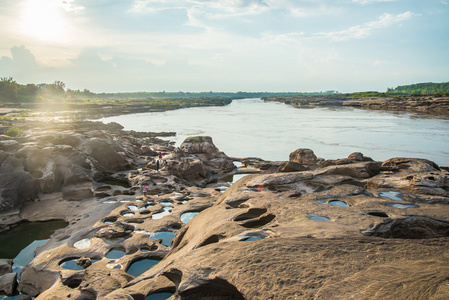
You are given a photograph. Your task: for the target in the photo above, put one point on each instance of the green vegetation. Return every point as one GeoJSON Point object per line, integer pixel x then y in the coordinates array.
{"type": "Point", "coordinates": [12, 92]}
{"type": "Point", "coordinates": [421, 89]}
{"type": "Point", "coordinates": [13, 131]}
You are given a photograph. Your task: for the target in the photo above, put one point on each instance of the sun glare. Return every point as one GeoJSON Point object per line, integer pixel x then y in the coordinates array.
{"type": "Point", "coordinates": [43, 19]}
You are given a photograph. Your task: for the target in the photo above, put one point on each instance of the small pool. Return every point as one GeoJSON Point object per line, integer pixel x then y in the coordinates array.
{"type": "Point", "coordinates": [160, 215]}
{"type": "Point", "coordinates": [166, 236]}
{"type": "Point", "coordinates": [187, 216]}
{"type": "Point", "coordinates": [159, 296]}
{"type": "Point", "coordinates": [72, 264]}
{"type": "Point", "coordinates": [315, 217]}
{"type": "Point", "coordinates": [402, 205]}
{"type": "Point", "coordinates": [338, 203]}
{"type": "Point", "coordinates": [115, 254]}
{"type": "Point", "coordinates": [392, 195]}
{"type": "Point", "coordinates": [141, 266]}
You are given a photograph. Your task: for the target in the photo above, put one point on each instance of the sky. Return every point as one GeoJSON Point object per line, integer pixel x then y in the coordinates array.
{"type": "Point", "coordinates": [225, 45]}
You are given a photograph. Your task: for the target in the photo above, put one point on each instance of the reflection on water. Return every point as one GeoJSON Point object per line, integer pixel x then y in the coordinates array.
{"type": "Point", "coordinates": [19, 237]}
{"type": "Point", "coordinates": [270, 130]}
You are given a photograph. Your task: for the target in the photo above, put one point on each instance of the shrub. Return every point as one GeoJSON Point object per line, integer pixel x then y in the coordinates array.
{"type": "Point", "coordinates": [13, 131]}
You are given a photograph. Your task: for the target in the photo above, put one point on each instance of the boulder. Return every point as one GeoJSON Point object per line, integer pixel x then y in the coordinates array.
{"type": "Point", "coordinates": [305, 157]}
{"type": "Point", "coordinates": [16, 185]}
{"type": "Point", "coordinates": [107, 153]}
{"type": "Point", "coordinates": [358, 156]}
{"type": "Point", "coordinates": [8, 283]}
{"type": "Point", "coordinates": [5, 266]}
{"type": "Point", "coordinates": [412, 164]}
{"type": "Point", "coordinates": [200, 145]}
{"type": "Point", "coordinates": [411, 227]}
{"type": "Point", "coordinates": [291, 166]}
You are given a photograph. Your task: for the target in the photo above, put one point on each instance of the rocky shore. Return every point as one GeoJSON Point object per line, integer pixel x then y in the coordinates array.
{"type": "Point", "coordinates": [305, 228]}
{"type": "Point", "coordinates": [435, 105]}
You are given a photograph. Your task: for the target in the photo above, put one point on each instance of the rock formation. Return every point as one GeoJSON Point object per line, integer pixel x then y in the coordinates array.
{"type": "Point", "coordinates": [306, 228]}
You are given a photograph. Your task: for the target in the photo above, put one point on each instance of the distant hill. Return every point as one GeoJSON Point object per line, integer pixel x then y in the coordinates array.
{"type": "Point", "coordinates": [421, 88]}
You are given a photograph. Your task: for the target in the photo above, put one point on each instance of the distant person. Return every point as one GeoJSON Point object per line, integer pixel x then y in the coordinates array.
{"type": "Point", "coordinates": [157, 165]}
{"type": "Point", "coordinates": [160, 155]}
{"type": "Point", "coordinates": [144, 190]}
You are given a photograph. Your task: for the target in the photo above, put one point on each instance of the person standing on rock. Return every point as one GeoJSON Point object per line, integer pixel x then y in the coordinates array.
{"type": "Point", "coordinates": [144, 190]}
{"type": "Point", "coordinates": [160, 155]}
{"type": "Point", "coordinates": [157, 165]}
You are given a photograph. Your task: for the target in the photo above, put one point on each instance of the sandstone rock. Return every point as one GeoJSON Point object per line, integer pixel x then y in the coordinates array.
{"type": "Point", "coordinates": [411, 227]}
{"type": "Point", "coordinates": [116, 230]}
{"type": "Point", "coordinates": [16, 185]}
{"type": "Point", "coordinates": [8, 283]}
{"type": "Point", "coordinates": [107, 153]}
{"type": "Point", "coordinates": [413, 164]}
{"type": "Point", "coordinates": [358, 156]}
{"type": "Point", "coordinates": [305, 157]}
{"type": "Point", "coordinates": [5, 266]}
{"type": "Point", "coordinates": [77, 192]}
{"type": "Point", "coordinates": [360, 170]}
{"type": "Point", "coordinates": [200, 145]}
{"type": "Point", "coordinates": [292, 167]}
{"type": "Point", "coordinates": [9, 145]}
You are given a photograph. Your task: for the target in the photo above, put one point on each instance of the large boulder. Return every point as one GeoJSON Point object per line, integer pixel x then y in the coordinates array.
{"type": "Point", "coordinates": [304, 157]}
{"type": "Point", "coordinates": [16, 185]}
{"type": "Point", "coordinates": [107, 153]}
{"type": "Point", "coordinates": [197, 157]}
{"type": "Point", "coordinates": [8, 283]}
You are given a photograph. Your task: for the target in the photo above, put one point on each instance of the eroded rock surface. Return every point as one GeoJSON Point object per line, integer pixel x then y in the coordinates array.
{"type": "Point", "coordinates": [307, 228]}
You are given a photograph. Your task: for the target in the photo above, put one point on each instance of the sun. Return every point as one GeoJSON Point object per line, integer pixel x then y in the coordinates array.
{"type": "Point", "coordinates": [43, 19]}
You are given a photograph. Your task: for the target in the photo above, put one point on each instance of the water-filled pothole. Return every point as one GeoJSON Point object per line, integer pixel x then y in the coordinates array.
{"type": "Point", "coordinates": [392, 195]}
{"type": "Point", "coordinates": [162, 214]}
{"type": "Point", "coordinates": [133, 207]}
{"type": "Point", "coordinates": [72, 264]}
{"type": "Point", "coordinates": [402, 205]}
{"type": "Point", "coordinates": [165, 236]}
{"type": "Point", "coordinates": [165, 203]}
{"type": "Point", "coordinates": [159, 296]}
{"type": "Point", "coordinates": [252, 238]}
{"type": "Point", "coordinates": [141, 266]}
{"type": "Point", "coordinates": [115, 254]}
{"type": "Point", "coordinates": [320, 218]}
{"type": "Point", "coordinates": [338, 203]}
{"type": "Point", "coordinates": [187, 216]}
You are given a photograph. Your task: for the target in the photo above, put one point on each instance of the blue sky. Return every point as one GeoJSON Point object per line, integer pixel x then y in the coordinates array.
{"type": "Point", "coordinates": [225, 45]}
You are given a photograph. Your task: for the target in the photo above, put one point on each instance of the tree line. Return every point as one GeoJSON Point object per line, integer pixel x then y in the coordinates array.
{"type": "Point", "coordinates": [11, 91]}
{"type": "Point", "coordinates": [421, 88]}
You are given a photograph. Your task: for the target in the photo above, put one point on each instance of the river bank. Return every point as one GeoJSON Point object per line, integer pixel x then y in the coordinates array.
{"type": "Point", "coordinates": [432, 105]}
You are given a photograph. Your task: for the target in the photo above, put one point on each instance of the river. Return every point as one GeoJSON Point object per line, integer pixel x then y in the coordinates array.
{"type": "Point", "coordinates": [271, 130]}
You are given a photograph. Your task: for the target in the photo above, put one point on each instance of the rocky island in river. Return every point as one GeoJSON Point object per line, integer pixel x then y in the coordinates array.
{"type": "Point", "coordinates": [351, 228]}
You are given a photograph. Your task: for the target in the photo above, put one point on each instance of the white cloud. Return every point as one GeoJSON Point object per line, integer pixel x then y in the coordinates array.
{"type": "Point", "coordinates": [364, 2]}
{"type": "Point", "coordinates": [362, 31]}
